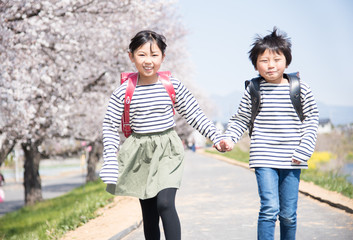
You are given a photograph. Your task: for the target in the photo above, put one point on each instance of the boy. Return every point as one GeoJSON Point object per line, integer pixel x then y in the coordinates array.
{"type": "Point", "coordinates": [281, 143]}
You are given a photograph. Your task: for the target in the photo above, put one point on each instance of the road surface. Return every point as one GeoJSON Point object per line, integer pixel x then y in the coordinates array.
{"type": "Point", "coordinates": [219, 201]}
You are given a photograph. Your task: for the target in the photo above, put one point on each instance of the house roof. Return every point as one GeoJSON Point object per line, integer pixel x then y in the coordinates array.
{"type": "Point", "coordinates": [324, 121]}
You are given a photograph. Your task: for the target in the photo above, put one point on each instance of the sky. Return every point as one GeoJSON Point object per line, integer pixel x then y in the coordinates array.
{"type": "Point", "coordinates": [220, 34]}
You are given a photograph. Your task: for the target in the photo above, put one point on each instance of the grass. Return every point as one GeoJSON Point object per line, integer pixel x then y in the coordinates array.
{"type": "Point", "coordinates": [328, 180]}
{"type": "Point", "coordinates": [236, 154]}
{"type": "Point", "coordinates": [50, 219]}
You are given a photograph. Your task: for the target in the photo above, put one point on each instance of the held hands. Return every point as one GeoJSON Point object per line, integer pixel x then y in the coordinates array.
{"type": "Point", "coordinates": [225, 145]}
{"type": "Point", "coordinates": [218, 147]}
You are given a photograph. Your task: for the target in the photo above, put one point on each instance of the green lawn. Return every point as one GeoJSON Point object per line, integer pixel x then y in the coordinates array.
{"type": "Point", "coordinates": [328, 180]}
{"type": "Point", "coordinates": [50, 219]}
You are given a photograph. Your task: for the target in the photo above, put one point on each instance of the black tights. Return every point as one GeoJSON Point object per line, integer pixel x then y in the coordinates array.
{"type": "Point", "coordinates": [162, 205]}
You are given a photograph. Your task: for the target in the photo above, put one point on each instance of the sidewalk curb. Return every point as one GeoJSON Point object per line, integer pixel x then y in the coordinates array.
{"type": "Point", "coordinates": [126, 231]}
{"type": "Point", "coordinates": [309, 189]}
{"type": "Point", "coordinates": [115, 221]}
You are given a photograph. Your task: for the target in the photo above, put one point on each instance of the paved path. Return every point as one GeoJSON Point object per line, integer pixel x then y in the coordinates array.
{"type": "Point", "coordinates": [58, 178]}
{"type": "Point", "coordinates": [219, 201]}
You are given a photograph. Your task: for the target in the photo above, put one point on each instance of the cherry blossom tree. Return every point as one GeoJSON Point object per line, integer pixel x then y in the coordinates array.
{"type": "Point", "coordinates": [61, 60]}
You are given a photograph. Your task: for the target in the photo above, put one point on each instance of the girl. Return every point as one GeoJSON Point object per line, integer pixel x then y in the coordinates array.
{"type": "Point", "coordinates": [150, 162]}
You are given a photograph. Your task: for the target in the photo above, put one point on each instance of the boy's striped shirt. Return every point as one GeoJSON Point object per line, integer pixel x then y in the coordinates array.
{"type": "Point", "coordinates": [151, 110]}
{"type": "Point", "coordinates": [278, 135]}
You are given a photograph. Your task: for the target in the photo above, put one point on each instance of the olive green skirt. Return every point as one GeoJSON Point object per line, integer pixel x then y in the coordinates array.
{"type": "Point", "coordinates": [149, 163]}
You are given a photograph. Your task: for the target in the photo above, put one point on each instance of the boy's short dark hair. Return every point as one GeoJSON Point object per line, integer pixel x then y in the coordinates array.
{"type": "Point", "coordinates": [275, 42]}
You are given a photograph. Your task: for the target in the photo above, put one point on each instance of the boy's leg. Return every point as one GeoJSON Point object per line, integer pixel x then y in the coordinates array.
{"type": "Point", "coordinates": [288, 199]}
{"type": "Point", "coordinates": [150, 218]}
{"type": "Point", "coordinates": [168, 213]}
{"type": "Point", "coordinates": [267, 182]}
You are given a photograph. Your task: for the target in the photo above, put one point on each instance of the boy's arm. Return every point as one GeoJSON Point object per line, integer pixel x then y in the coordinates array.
{"type": "Point", "coordinates": [309, 126]}
{"type": "Point", "coordinates": [239, 122]}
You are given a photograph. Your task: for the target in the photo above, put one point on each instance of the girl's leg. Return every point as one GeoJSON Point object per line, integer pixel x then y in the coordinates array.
{"type": "Point", "coordinates": [150, 218]}
{"type": "Point", "coordinates": [267, 182]}
{"type": "Point", "coordinates": [288, 200]}
{"type": "Point", "coordinates": [168, 213]}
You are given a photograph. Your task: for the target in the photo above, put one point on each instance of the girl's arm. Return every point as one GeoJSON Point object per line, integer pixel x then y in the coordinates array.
{"type": "Point", "coordinates": [309, 126]}
{"type": "Point", "coordinates": [188, 107]}
{"type": "Point", "coordinates": [239, 122]}
{"type": "Point", "coordinates": [111, 139]}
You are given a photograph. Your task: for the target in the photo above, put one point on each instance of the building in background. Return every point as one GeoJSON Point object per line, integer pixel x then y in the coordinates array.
{"type": "Point", "coordinates": [325, 125]}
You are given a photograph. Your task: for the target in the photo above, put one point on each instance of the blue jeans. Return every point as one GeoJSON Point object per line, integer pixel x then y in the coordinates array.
{"type": "Point", "coordinates": [278, 191]}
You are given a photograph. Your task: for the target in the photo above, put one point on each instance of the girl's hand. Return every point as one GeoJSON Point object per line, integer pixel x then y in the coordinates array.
{"type": "Point", "coordinates": [218, 147]}
{"type": "Point", "coordinates": [226, 145]}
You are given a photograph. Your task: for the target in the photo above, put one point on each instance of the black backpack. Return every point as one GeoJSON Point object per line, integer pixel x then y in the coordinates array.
{"type": "Point", "coordinates": [254, 87]}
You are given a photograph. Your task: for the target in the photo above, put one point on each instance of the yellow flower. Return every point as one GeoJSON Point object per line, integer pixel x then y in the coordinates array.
{"type": "Point", "coordinates": [319, 157]}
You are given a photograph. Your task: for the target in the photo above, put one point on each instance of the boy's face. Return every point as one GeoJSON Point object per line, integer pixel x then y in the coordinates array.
{"type": "Point", "coordinates": [271, 66]}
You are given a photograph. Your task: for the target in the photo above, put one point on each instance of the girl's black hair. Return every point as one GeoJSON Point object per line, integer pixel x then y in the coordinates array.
{"type": "Point", "coordinates": [275, 42]}
{"type": "Point", "coordinates": [145, 36]}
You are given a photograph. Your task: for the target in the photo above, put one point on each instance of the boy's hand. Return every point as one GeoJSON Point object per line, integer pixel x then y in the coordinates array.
{"type": "Point", "coordinates": [296, 161]}
{"type": "Point", "coordinates": [226, 145]}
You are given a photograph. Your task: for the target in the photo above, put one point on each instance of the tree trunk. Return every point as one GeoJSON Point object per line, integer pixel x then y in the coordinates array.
{"type": "Point", "coordinates": [92, 160]}
{"type": "Point", "coordinates": [32, 181]}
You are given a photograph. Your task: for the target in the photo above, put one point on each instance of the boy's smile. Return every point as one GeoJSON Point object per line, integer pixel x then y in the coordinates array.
{"type": "Point", "coordinates": [271, 66]}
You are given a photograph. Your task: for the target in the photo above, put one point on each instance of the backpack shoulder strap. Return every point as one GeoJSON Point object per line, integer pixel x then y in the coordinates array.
{"type": "Point", "coordinates": [294, 83]}
{"type": "Point", "coordinates": [164, 77]}
{"type": "Point", "coordinates": [130, 88]}
{"type": "Point", "coordinates": [254, 88]}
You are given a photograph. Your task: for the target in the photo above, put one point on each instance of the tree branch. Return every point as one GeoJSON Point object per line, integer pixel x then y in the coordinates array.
{"type": "Point", "coordinates": [30, 13]}
{"type": "Point", "coordinates": [88, 87]}
{"type": "Point", "coordinates": [5, 149]}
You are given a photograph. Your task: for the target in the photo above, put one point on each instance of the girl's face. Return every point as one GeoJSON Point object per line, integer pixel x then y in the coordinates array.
{"type": "Point", "coordinates": [271, 66]}
{"type": "Point", "coordinates": [147, 59]}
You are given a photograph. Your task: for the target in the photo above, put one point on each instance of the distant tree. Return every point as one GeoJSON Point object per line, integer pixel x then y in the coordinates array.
{"type": "Point", "coordinates": [61, 60]}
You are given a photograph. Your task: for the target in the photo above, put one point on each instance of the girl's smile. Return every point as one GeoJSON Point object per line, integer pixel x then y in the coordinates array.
{"type": "Point", "coordinates": [148, 68]}
{"type": "Point", "coordinates": [147, 59]}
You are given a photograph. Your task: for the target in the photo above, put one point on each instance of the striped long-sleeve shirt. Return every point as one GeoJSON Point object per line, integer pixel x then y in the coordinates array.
{"type": "Point", "coordinates": [151, 110]}
{"type": "Point", "coordinates": [278, 135]}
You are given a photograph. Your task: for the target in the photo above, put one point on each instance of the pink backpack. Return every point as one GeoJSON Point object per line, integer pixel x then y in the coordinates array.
{"type": "Point", "coordinates": [164, 77]}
